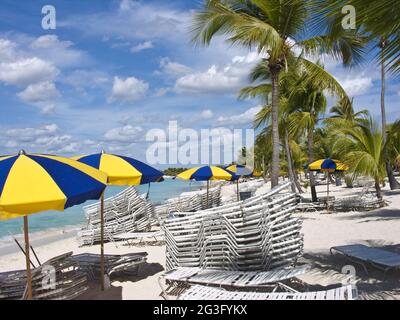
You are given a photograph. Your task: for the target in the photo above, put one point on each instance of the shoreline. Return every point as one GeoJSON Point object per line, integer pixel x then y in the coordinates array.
{"type": "Point", "coordinates": [54, 234]}
{"type": "Point", "coordinates": [37, 239]}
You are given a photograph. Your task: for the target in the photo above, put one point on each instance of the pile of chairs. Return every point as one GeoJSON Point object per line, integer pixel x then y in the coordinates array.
{"type": "Point", "coordinates": [126, 264]}
{"type": "Point", "coordinates": [190, 201]}
{"type": "Point", "coordinates": [70, 281]}
{"type": "Point", "coordinates": [125, 212]}
{"type": "Point", "coordinates": [256, 234]}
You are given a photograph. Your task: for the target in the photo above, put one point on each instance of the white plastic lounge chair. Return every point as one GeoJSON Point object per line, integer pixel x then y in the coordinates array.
{"type": "Point", "coordinates": [198, 292]}
{"type": "Point", "coordinates": [129, 236]}
{"type": "Point", "coordinates": [361, 254]}
{"type": "Point", "coordinates": [234, 279]}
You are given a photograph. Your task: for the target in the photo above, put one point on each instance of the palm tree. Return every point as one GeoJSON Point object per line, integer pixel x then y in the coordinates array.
{"type": "Point", "coordinates": [393, 143]}
{"type": "Point", "coordinates": [275, 28]}
{"type": "Point", "coordinates": [378, 20]}
{"type": "Point", "coordinates": [263, 117]}
{"type": "Point", "coordinates": [295, 86]}
{"type": "Point", "coordinates": [343, 114]}
{"type": "Point", "coordinates": [394, 184]}
{"type": "Point", "coordinates": [309, 104]}
{"type": "Point", "coordinates": [364, 152]}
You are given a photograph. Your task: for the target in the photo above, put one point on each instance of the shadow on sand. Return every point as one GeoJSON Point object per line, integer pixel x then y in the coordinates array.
{"type": "Point", "coordinates": [115, 292]}
{"type": "Point", "coordinates": [327, 270]}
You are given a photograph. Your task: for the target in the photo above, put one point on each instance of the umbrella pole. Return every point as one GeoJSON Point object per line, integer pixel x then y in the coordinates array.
{"type": "Point", "coordinates": [237, 189]}
{"type": "Point", "coordinates": [28, 260]}
{"type": "Point", "coordinates": [327, 192]}
{"type": "Point", "coordinates": [208, 187]}
{"type": "Point", "coordinates": [102, 242]}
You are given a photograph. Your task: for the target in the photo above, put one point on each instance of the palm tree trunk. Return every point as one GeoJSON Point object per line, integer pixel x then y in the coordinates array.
{"type": "Point", "coordinates": [289, 161]}
{"type": "Point", "coordinates": [392, 180]}
{"type": "Point", "coordinates": [378, 189]}
{"type": "Point", "coordinates": [310, 142]}
{"type": "Point", "coordinates": [292, 174]}
{"type": "Point", "coordinates": [275, 126]}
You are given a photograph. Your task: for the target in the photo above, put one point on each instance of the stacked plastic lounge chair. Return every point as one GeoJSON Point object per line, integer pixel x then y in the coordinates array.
{"type": "Point", "coordinates": [70, 281]}
{"type": "Point", "coordinates": [127, 264]}
{"type": "Point", "coordinates": [190, 202]}
{"type": "Point", "coordinates": [125, 212]}
{"type": "Point", "coordinates": [257, 234]}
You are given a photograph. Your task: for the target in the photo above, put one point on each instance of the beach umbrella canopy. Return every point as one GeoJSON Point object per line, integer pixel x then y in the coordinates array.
{"type": "Point", "coordinates": [240, 170]}
{"type": "Point", "coordinates": [327, 165]}
{"type": "Point", "coordinates": [121, 171]}
{"type": "Point", "coordinates": [31, 183]}
{"type": "Point", "coordinates": [207, 173]}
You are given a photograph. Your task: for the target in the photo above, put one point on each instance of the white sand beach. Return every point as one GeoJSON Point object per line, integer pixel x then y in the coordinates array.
{"type": "Point", "coordinates": [321, 231]}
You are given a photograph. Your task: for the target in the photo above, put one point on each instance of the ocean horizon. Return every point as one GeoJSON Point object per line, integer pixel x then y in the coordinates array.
{"type": "Point", "coordinates": [74, 217]}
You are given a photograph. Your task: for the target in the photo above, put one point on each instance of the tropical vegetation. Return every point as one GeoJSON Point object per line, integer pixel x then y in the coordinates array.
{"type": "Point", "coordinates": [295, 125]}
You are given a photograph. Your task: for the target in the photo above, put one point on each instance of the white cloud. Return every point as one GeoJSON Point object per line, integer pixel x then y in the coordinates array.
{"type": "Point", "coordinates": [357, 85]}
{"type": "Point", "coordinates": [133, 20]}
{"type": "Point", "coordinates": [173, 68]}
{"type": "Point", "coordinates": [218, 79]}
{"type": "Point", "coordinates": [207, 114]}
{"type": "Point", "coordinates": [43, 139]}
{"type": "Point", "coordinates": [30, 134]}
{"type": "Point", "coordinates": [81, 79]}
{"type": "Point", "coordinates": [161, 92]}
{"type": "Point", "coordinates": [61, 53]}
{"type": "Point", "coordinates": [142, 46]}
{"type": "Point", "coordinates": [128, 89]}
{"type": "Point", "coordinates": [27, 71]}
{"type": "Point", "coordinates": [243, 118]}
{"type": "Point", "coordinates": [39, 92]}
{"type": "Point", "coordinates": [7, 50]}
{"type": "Point", "coordinates": [126, 133]}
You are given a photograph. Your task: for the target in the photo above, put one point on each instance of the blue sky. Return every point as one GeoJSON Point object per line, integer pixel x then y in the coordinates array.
{"type": "Point", "coordinates": [112, 70]}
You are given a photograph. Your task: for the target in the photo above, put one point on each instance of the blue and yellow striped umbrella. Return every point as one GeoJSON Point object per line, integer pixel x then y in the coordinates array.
{"type": "Point", "coordinates": [240, 170]}
{"type": "Point", "coordinates": [327, 165]}
{"type": "Point", "coordinates": [122, 171]}
{"type": "Point", "coordinates": [30, 183]}
{"type": "Point", "coordinates": [206, 173]}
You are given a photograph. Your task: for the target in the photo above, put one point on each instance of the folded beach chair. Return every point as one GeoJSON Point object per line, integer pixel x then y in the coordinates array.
{"type": "Point", "coordinates": [126, 263]}
{"type": "Point", "coordinates": [198, 292]}
{"type": "Point", "coordinates": [361, 254]}
{"type": "Point", "coordinates": [181, 277]}
{"type": "Point", "coordinates": [70, 281]}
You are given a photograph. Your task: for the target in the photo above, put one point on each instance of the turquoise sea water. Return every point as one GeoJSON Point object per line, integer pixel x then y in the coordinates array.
{"type": "Point", "coordinates": [74, 216]}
